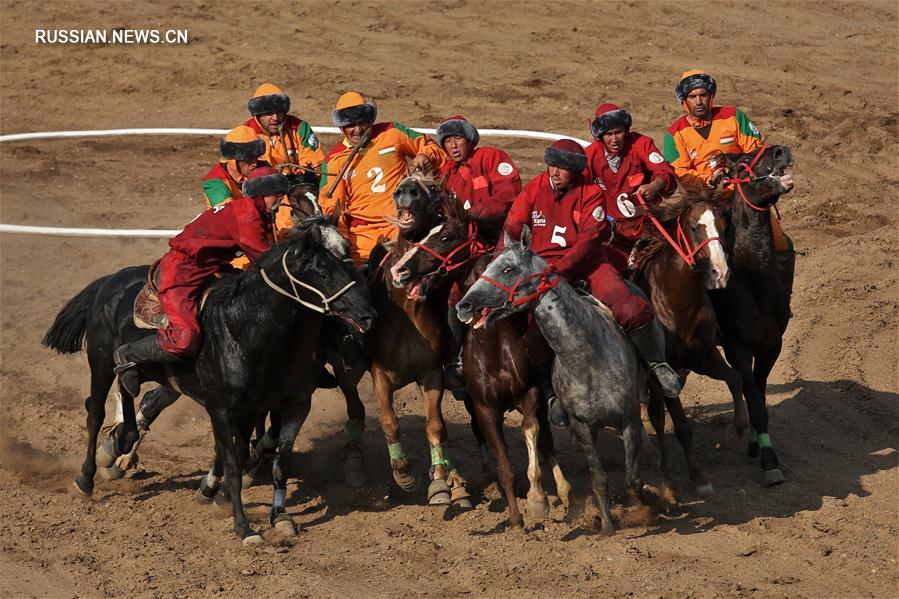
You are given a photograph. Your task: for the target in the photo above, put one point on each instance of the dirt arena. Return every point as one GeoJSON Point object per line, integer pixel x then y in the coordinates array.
{"type": "Point", "coordinates": [819, 77]}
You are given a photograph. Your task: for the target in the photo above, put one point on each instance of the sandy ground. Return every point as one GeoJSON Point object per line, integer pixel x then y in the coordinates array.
{"type": "Point", "coordinates": [819, 77]}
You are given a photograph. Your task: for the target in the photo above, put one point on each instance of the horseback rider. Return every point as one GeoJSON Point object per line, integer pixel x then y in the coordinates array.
{"type": "Point", "coordinates": [241, 152]}
{"type": "Point", "coordinates": [365, 189]}
{"type": "Point", "coordinates": [485, 181]}
{"type": "Point", "coordinates": [203, 249]}
{"type": "Point", "coordinates": [288, 139]}
{"type": "Point", "coordinates": [624, 164]}
{"type": "Point", "coordinates": [569, 230]}
{"type": "Point", "coordinates": [693, 142]}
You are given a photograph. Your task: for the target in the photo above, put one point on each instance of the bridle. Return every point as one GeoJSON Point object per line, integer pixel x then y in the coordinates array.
{"type": "Point", "coordinates": [682, 244]}
{"type": "Point", "coordinates": [543, 286]}
{"type": "Point", "coordinates": [324, 308]}
{"type": "Point", "coordinates": [749, 177]}
{"type": "Point", "coordinates": [446, 266]}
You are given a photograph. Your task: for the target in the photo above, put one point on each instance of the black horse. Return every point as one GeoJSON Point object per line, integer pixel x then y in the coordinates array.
{"type": "Point", "coordinates": [261, 351]}
{"type": "Point", "coordinates": [754, 309]}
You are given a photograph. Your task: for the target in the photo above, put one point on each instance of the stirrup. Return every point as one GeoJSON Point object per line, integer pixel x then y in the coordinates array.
{"type": "Point", "coordinates": [557, 414]}
{"type": "Point", "coordinates": [668, 379]}
{"type": "Point", "coordinates": [125, 366]}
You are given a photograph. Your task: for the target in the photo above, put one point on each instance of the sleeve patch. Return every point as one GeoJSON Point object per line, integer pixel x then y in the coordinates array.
{"type": "Point", "coordinates": [656, 158]}
{"type": "Point", "coordinates": [505, 169]}
{"type": "Point", "coordinates": [598, 214]}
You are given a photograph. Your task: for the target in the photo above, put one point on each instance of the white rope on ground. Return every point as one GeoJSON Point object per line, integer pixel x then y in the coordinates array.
{"type": "Point", "coordinates": [164, 233]}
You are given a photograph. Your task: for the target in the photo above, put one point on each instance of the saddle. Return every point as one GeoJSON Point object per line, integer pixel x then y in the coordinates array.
{"type": "Point", "coordinates": [148, 312]}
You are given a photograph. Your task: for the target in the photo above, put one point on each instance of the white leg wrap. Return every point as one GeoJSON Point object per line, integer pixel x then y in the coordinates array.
{"type": "Point", "coordinates": [278, 498]}
{"type": "Point", "coordinates": [212, 481]}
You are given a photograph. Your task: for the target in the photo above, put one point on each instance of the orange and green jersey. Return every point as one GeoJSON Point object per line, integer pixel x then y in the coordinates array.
{"type": "Point", "coordinates": [219, 185]}
{"type": "Point", "coordinates": [302, 146]}
{"type": "Point", "coordinates": [688, 150]}
{"type": "Point", "coordinates": [366, 189]}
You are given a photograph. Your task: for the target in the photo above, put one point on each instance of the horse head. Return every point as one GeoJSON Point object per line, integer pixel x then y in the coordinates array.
{"type": "Point", "coordinates": [320, 281]}
{"type": "Point", "coordinates": [513, 282]}
{"type": "Point", "coordinates": [307, 212]}
{"type": "Point", "coordinates": [418, 198]}
{"type": "Point", "coordinates": [696, 226]}
{"type": "Point", "coordinates": [441, 255]}
{"type": "Point", "coordinates": [756, 175]}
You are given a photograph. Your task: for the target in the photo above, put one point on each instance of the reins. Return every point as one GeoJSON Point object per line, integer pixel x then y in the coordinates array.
{"type": "Point", "coordinates": [475, 250]}
{"type": "Point", "coordinates": [682, 244]}
{"type": "Point", "coordinates": [543, 286]}
{"type": "Point", "coordinates": [325, 308]}
{"type": "Point", "coordinates": [750, 177]}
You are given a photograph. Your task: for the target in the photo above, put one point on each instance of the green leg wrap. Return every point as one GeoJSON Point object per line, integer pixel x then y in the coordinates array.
{"type": "Point", "coordinates": [764, 440]}
{"type": "Point", "coordinates": [753, 436]}
{"type": "Point", "coordinates": [396, 451]}
{"type": "Point", "coordinates": [437, 456]}
{"type": "Point", "coordinates": [267, 442]}
{"type": "Point", "coordinates": [354, 428]}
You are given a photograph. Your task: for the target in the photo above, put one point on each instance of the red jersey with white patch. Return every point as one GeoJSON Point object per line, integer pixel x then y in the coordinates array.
{"type": "Point", "coordinates": [220, 234]}
{"type": "Point", "coordinates": [641, 162]}
{"type": "Point", "coordinates": [486, 183]}
{"type": "Point", "coordinates": [568, 230]}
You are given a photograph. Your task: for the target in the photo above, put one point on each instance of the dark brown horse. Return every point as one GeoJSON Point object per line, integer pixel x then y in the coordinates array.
{"type": "Point", "coordinates": [405, 346]}
{"type": "Point", "coordinates": [497, 373]}
{"type": "Point", "coordinates": [685, 257]}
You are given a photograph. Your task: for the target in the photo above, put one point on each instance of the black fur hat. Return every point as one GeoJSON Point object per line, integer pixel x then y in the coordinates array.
{"type": "Point", "coordinates": [265, 181]}
{"type": "Point", "coordinates": [457, 125]}
{"type": "Point", "coordinates": [247, 151]}
{"type": "Point", "coordinates": [567, 154]}
{"type": "Point", "coordinates": [694, 80]}
{"type": "Point", "coordinates": [351, 108]}
{"type": "Point", "coordinates": [268, 99]}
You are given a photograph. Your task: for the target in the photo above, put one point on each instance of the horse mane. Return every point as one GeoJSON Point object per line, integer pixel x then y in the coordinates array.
{"type": "Point", "coordinates": [669, 210]}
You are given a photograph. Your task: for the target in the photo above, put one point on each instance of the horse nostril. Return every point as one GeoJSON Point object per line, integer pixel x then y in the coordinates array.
{"type": "Point", "coordinates": [463, 307]}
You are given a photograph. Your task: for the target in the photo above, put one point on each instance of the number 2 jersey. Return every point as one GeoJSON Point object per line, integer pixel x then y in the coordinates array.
{"type": "Point", "coordinates": [568, 230]}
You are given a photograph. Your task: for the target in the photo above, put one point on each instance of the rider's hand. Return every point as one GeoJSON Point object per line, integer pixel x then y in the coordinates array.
{"type": "Point", "coordinates": [421, 162]}
{"type": "Point", "coordinates": [786, 182]}
{"type": "Point", "coordinates": [649, 190]}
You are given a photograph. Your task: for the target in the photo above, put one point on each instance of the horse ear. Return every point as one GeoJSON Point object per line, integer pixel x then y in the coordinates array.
{"type": "Point", "coordinates": [729, 161]}
{"type": "Point", "coordinates": [507, 239]}
{"type": "Point", "coordinates": [526, 237]}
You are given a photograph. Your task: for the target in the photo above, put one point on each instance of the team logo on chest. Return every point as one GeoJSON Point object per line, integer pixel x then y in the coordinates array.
{"type": "Point", "coordinates": [600, 182]}
{"type": "Point", "coordinates": [538, 219]}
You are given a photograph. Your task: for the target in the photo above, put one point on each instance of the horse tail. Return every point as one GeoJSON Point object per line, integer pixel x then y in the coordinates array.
{"type": "Point", "coordinates": [66, 335]}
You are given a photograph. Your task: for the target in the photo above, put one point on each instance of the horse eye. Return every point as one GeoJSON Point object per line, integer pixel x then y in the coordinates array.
{"type": "Point", "coordinates": [507, 270]}
{"type": "Point", "coordinates": [444, 238]}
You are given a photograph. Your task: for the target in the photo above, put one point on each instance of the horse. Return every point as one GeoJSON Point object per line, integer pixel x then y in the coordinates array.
{"type": "Point", "coordinates": [405, 346]}
{"type": "Point", "coordinates": [596, 372]}
{"type": "Point", "coordinates": [261, 352]}
{"type": "Point", "coordinates": [754, 309]}
{"type": "Point", "coordinates": [685, 256]}
{"type": "Point", "coordinates": [118, 451]}
{"type": "Point", "coordinates": [497, 373]}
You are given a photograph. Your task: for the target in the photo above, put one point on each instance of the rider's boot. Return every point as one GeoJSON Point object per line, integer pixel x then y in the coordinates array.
{"type": "Point", "coordinates": [129, 355]}
{"type": "Point", "coordinates": [453, 377]}
{"type": "Point", "coordinates": [649, 340]}
{"type": "Point", "coordinates": [557, 414]}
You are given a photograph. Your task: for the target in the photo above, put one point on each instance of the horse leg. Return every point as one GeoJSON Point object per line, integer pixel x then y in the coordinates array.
{"type": "Point", "coordinates": [390, 426]}
{"type": "Point", "coordinates": [209, 484]}
{"type": "Point", "coordinates": [584, 436]}
{"type": "Point", "coordinates": [294, 418]}
{"type": "Point", "coordinates": [714, 366]}
{"type": "Point", "coordinates": [656, 409]}
{"type": "Point", "coordinates": [483, 451]}
{"type": "Point", "coordinates": [683, 429]}
{"type": "Point", "coordinates": [538, 506]}
{"type": "Point", "coordinates": [764, 362]}
{"type": "Point", "coordinates": [631, 435]}
{"type": "Point", "coordinates": [232, 443]}
{"type": "Point", "coordinates": [352, 458]}
{"type": "Point", "coordinates": [447, 485]}
{"type": "Point", "coordinates": [102, 377]}
{"type": "Point", "coordinates": [547, 449]}
{"type": "Point", "coordinates": [491, 424]}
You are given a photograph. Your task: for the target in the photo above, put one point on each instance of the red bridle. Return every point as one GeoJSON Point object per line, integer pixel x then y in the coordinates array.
{"type": "Point", "coordinates": [682, 244]}
{"type": "Point", "coordinates": [542, 287]}
{"type": "Point", "coordinates": [738, 181]}
{"type": "Point", "coordinates": [475, 249]}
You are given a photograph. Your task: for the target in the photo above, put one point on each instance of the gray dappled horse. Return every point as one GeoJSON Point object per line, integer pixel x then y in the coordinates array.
{"type": "Point", "coordinates": [596, 372]}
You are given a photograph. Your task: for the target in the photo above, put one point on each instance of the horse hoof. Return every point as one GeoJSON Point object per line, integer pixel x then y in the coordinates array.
{"type": "Point", "coordinates": [463, 503]}
{"type": "Point", "coordinates": [251, 538]}
{"type": "Point", "coordinates": [285, 527]}
{"type": "Point", "coordinates": [112, 473]}
{"type": "Point", "coordinates": [733, 438]}
{"type": "Point", "coordinates": [538, 510]}
{"type": "Point", "coordinates": [247, 480]}
{"type": "Point", "coordinates": [106, 453]}
{"type": "Point", "coordinates": [706, 490]}
{"type": "Point", "coordinates": [354, 472]}
{"type": "Point", "coordinates": [222, 502]}
{"type": "Point", "coordinates": [773, 477]}
{"type": "Point", "coordinates": [439, 493]}
{"type": "Point", "coordinates": [406, 481]}
{"type": "Point", "coordinates": [85, 489]}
